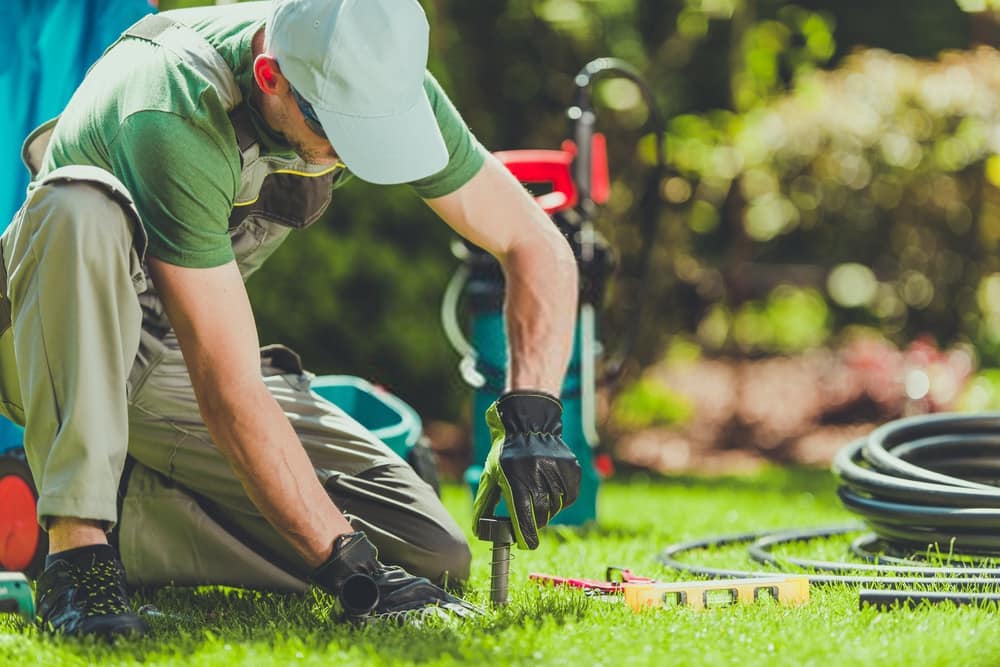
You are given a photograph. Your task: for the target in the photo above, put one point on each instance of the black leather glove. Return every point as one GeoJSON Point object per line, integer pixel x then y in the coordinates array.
{"type": "Point", "coordinates": [529, 465]}
{"type": "Point", "coordinates": [366, 587]}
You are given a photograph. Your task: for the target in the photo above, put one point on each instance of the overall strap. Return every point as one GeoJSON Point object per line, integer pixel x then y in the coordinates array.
{"type": "Point", "coordinates": [196, 51]}
{"type": "Point", "coordinates": [186, 43]}
{"type": "Point", "coordinates": [246, 135]}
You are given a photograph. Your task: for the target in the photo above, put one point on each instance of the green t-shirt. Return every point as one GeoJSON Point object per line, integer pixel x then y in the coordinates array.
{"type": "Point", "coordinates": [160, 127]}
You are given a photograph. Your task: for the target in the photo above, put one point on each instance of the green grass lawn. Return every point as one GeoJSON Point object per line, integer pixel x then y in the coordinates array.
{"type": "Point", "coordinates": [638, 517]}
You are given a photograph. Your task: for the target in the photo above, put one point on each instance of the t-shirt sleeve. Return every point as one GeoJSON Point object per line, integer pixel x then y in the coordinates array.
{"type": "Point", "coordinates": [183, 184]}
{"type": "Point", "coordinates": [465, 153]}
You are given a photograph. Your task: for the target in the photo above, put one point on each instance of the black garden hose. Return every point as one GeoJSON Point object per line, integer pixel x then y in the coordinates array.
{"type": "Point", "coordinates": [927, 483]}
{"type": "Point", "coordinates": [925, 480]}
{"type": "Point", "coordinates": [819, 572]}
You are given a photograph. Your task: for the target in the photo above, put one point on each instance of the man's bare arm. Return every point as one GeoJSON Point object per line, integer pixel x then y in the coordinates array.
{"type": "Point", "coordinates": [495, 212]}
{"type": "Point", "coordinates": [210, 312]}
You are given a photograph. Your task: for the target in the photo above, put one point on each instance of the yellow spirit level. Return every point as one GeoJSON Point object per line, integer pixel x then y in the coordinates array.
{"type": "Point", "coordinates": [787, 590]}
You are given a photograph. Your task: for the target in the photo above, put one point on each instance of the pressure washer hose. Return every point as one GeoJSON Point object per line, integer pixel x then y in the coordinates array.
{"type": "Point", "coordinates": [921, 484]}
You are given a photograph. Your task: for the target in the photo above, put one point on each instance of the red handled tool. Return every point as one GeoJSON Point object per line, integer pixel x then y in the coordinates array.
{"type": "Point", "coordinates": [614, 582]}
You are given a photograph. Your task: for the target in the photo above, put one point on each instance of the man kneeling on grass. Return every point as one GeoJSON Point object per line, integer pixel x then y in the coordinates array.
{"type": "Point", "coordinates": [190, 151]}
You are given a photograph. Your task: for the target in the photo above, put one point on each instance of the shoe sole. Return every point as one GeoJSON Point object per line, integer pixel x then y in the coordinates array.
{"type": "Point", "coordinates": [109, 628]}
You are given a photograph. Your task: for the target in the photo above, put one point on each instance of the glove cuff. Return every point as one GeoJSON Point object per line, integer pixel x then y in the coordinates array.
{"type": "Point", "coordinates": [530, 411]}
{"type": "Point", "coordinates": [352, 554]}
{"type": "Point", "coordinates": [529, 393]}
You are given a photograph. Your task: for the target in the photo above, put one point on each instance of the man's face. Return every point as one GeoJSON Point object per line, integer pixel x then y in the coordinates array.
{"type": "Point", "coordinates": [299, 131]}
{"type": "Point", "coordinates": [286, 112]}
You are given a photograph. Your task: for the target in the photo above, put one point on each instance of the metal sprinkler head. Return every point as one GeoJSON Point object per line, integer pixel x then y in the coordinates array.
{"type": "Point", "coordinates": [500, 532]}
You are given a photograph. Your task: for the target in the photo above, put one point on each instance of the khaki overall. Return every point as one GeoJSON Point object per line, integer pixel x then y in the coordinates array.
{"type": "Point", "coordinates": [90, 365]}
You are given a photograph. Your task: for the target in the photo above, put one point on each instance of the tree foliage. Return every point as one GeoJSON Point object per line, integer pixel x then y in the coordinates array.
{"type": "Point", "coordinates": [799, 199]}
{"type": "Point", "coordinates": [875, 183]}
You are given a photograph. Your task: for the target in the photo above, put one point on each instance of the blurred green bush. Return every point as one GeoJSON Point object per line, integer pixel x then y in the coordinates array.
{"type": "Point", "coordinates": [648, 402]}
{"type": "Point", "coordinates": [875, 183]}
{"type": "Point", "coordinates": [982, 393]}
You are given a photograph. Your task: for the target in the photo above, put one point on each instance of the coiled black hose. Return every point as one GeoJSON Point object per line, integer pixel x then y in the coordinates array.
{"type": "Point", "coordinates": [920, 482]}
{"type": "Point", "coordinates": [928, 479]}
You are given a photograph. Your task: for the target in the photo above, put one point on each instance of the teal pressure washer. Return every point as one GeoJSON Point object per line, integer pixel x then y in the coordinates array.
{"type": "Point", "coordinates": [573, 182]}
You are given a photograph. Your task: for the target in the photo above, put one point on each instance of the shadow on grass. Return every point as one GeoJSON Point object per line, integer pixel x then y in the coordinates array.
{"type": "Point", "coordinates": [196, 621]}
{"type": "Point", "coordinates": [595, 530]}
{"type": "Point", "coordinates": [771, 479]}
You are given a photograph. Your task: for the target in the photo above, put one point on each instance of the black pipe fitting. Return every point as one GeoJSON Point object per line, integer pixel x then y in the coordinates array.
{"type": "Point", "coordinates": [359, 595]}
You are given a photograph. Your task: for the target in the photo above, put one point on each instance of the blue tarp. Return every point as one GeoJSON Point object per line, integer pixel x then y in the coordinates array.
{"type": "Point", "coordinates": [11, 435]}
{"type": "Point", "coordinates": [48, 46]}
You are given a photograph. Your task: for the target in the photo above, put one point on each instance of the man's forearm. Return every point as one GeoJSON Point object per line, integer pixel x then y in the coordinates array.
{"type": "Point", "coordinates": [541, 312]}
{"type": "Point", "coordinates": [210, 312]}
{"type": "Point", "coordinates": [496, 213]}
{"type": "Point", "coordinates": [257, 439]}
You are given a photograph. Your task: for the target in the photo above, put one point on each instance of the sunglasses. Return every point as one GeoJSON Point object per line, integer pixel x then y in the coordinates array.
{"type": "Point", "coordinates": [312, 120]}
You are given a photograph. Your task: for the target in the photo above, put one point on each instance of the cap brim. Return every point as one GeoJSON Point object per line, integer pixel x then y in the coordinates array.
{"type": "Point", "coordinates": [390, 149]}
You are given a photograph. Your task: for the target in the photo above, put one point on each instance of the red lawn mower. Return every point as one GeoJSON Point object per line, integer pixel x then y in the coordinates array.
{"type": "Point", "coordinates": [23, 544]}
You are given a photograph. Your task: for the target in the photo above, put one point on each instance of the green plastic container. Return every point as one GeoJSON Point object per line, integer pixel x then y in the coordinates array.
{"type": "Point", "coordinates": [384, 414]}
{"type": "Point", "coordinates": [15, 595]}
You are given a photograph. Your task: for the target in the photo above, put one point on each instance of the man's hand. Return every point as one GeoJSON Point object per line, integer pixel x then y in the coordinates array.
{"type": "Point", "coordinates": [367, 587]}
{"type": "Point", "coordinates": [529, 464]}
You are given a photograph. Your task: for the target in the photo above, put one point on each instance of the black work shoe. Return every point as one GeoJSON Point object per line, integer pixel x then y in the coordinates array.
{"type": "Point", "coordinates": [83, 593]}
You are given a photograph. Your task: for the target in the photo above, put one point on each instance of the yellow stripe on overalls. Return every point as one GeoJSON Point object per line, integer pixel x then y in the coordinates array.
{"type": "Point", "coordinates": [295, 172]}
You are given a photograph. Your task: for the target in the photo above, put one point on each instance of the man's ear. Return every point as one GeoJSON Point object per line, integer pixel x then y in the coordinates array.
{"type": "Point", "coordinates": [268, 76]}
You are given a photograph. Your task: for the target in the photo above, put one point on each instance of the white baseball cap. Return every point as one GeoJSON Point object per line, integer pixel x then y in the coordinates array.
{"type": "Point", "coordinates": [360, 64]}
